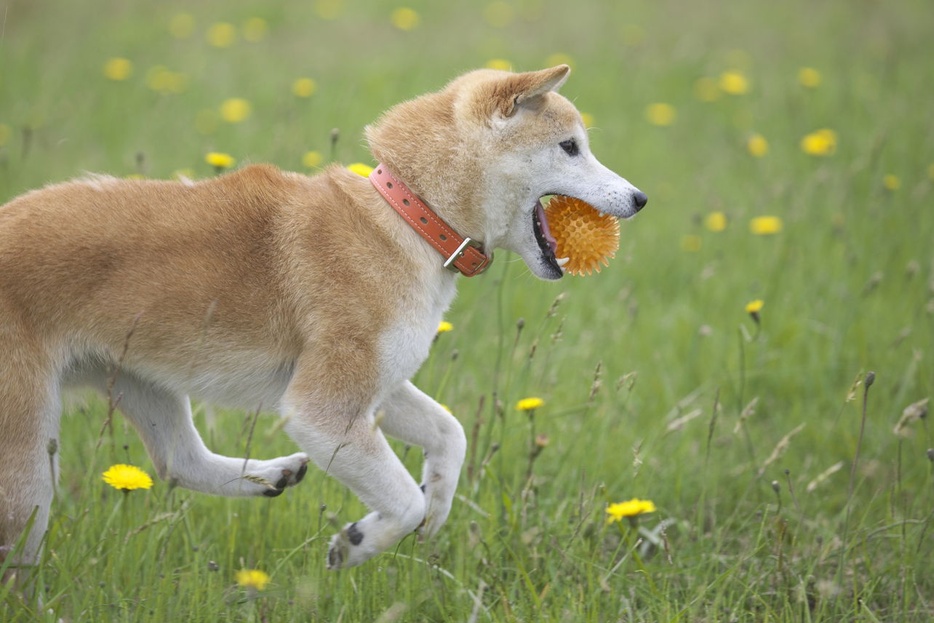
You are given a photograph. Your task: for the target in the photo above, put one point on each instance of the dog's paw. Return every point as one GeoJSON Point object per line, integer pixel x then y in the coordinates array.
{"type": "Point", "coordinates": [346, 548]}
{"type": "Point", "coordinates": [438, 500]}
{"type": "Point", "coordinates": [359, 541]}
{"type": "Point", "coordinates": [275, 475]}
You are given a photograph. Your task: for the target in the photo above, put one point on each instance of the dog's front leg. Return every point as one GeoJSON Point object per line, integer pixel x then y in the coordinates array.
{"type": "Point", "coordinates": [344, 441]}
{"type": "Point", "coordinates": [414, 417]}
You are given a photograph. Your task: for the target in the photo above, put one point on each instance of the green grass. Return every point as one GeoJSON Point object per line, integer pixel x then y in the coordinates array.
{"type": "Point", "coordinates": [785, 511]}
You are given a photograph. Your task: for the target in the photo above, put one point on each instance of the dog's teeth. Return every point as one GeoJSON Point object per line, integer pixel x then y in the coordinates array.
{"type": "Point", "coordinates": [563, 261]}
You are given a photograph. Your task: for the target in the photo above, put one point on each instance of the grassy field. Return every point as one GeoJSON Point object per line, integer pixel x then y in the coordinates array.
{"type": "Point", "coordinates": [787, 486]}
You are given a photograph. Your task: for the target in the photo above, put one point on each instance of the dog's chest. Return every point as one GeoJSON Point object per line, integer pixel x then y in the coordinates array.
{"type": "Point", "coordinates": [406, 342]}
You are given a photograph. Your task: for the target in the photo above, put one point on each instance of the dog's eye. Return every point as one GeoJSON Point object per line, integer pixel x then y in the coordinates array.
{"type": "Point", "coordinates": [570, 147]}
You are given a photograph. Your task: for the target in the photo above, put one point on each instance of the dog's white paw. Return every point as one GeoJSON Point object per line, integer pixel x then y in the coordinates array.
{"type": "Point", "coordinates": [359, 541]}
{"type": "Point", "coordinates": [439, 496]}
{"type": "Point", "coordinates": [434, 519]}
{"type": "Point", "coordinates": [272, 477]}
{"type": "Point", "coordinates": [347, 548]}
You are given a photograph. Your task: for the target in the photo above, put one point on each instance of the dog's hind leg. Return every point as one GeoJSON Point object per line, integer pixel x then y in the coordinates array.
{"type": "Point", "coordinates": [30, 409]}
{"type": "Point", "coordinates": [163, 420]}
{"type": "Point", "coordinates": [411, 416]}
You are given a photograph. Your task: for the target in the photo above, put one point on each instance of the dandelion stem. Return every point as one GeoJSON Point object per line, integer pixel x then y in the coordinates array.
{"type": "Point", "coordinates": [532, 454]}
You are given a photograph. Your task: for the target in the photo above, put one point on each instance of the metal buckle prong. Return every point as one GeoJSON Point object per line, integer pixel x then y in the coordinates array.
{"type": "Point", "coordinates": [457, 253]}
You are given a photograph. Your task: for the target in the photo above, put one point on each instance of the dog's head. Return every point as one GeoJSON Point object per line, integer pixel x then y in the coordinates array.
{"type": "Point", "coordinates": [485, 150]}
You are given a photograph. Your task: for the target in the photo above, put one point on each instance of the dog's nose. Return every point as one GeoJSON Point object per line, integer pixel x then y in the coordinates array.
{"type": "Point", "coordinates": [640, 199]}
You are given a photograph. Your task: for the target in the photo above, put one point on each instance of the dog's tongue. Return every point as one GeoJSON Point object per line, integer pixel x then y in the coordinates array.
{"type": "Point", "coordinates": [546, 232]}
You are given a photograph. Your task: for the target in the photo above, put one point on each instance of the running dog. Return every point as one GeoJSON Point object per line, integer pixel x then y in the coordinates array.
{"type": "Point", "coordinates": [318, 297]}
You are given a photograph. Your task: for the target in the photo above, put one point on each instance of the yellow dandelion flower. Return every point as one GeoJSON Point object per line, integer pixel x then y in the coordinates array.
{"type": "Point", "coordinates": [5, 133]}
{"type": "Point", "coordinates": [220, 160]}
{"type": "Point", "coordinates": [753, 308]}
{"type": "Point", "coordinates": [255, 29]}
{"type": "Point", "coordinates": [766, 225]}
{"type": "Point", "coordinates": [822, 142]}
{"type": "Point", "coordinates": [529, 404]}
{"type": "Point", "coordinates": [498, 14]}
{"type": "Point", "coordinates": [733, 82]}
{"type": "Point", "coordinates": [690, 243]}
{"type": "Point", "coordinates": [361, 169]}
{"type": "Point", "coordinates": [304, 87]}
{"type": "Point", "coordinates": [757, 146]}
{"type": "Point", "coordinates": [891, 182]}
{"type": "Point", "coordinates": [328, 9]}
{"type": "Point", "coordinates": [630, 508]}
{"type": "Point", "coordinates": [252, 579]}
{"type": "Point", "coordinates": [405, 18]}
{"type": "Point", "coordinates": [118, 69]}
{"type": "Point", "coordinates": [809, 77]}
{"type": "Point", "coordinates": [235, 110]}
{"type": "Point", "coordinates": [588, 119]}
{"type": "Point", "coordinates": [127, 478]}
{"type": "Point", "coordinates": [312, 159]}
{"type": "Point", "coordinates": [163, 80]}
{"type": "Point", "coordinates": [182, 25]}
{"type": "Point", "coordinates": [715, 221]}
{"type": "Point", "coordinates": [499, 63]}
{"type": "Point", "coordinates": [222, 35]}
{"type": "Point", "coordinates": [445, 326]}
{"type": "Point", "coordinates": [706, 89]}
{"type": "Point", "coordinates": [661, 114]}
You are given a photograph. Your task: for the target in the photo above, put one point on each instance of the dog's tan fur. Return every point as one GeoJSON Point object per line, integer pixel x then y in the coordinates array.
{"type": "Point", "coordinates": [276, 291]}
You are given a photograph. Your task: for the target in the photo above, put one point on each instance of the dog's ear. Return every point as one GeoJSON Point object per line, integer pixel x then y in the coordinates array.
{"type": "Point", "coordinates": [518, 90]}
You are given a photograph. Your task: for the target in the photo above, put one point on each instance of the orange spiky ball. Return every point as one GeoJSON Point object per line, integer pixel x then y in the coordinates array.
{"type": "Point", "coordinates": [587, 238]}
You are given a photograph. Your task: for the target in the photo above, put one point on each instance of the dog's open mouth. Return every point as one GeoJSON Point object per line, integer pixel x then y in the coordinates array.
{"type": "Point", "coordinates": [546, 242]}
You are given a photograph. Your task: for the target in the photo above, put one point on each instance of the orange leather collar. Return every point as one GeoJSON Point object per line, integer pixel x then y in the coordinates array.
{"type": "Point", "coordinates": [462, 254]}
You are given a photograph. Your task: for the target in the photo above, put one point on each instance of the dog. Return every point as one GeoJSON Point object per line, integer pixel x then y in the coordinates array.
{"type": "Point", "coordinates": [316, 296]}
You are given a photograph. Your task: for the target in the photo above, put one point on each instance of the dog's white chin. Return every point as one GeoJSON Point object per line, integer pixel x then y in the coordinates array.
{"type": "Point", "coordinates": [544, 269]}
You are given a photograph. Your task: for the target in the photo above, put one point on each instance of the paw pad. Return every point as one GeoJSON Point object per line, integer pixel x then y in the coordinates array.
{"type": "Point", "coordinates": [354, 535]}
